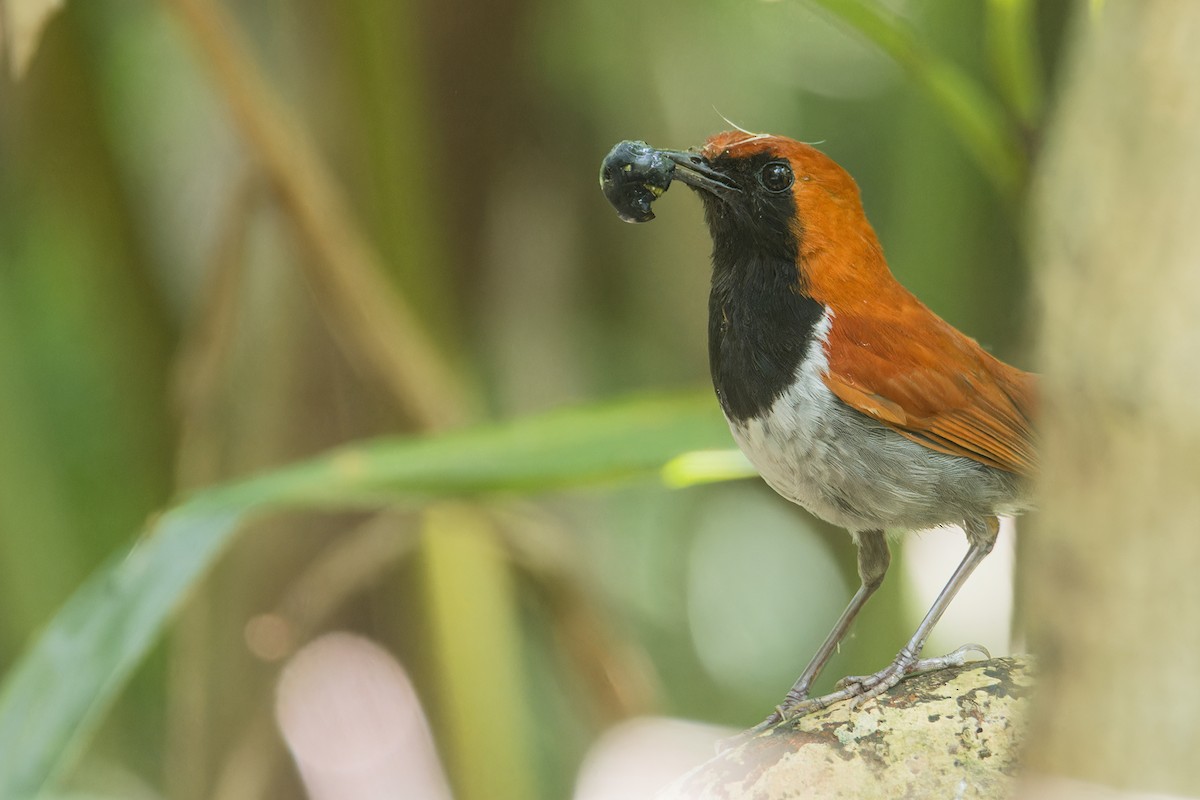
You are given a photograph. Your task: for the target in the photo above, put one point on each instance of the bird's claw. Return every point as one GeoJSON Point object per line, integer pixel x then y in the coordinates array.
{"type": "Point", "coordinates": [956, 658]}
{"type": "Point", "coordinates": [862, 688]}
{"type": "Point", "coordinates": [904, 665]}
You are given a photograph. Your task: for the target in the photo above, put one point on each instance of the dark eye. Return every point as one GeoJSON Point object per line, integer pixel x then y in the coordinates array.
{"type": "Point", "coordinates": [776, 176]}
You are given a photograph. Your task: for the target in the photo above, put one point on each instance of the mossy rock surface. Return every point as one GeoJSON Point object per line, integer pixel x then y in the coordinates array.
{"type": "Point", "coordinates": [953, 733]}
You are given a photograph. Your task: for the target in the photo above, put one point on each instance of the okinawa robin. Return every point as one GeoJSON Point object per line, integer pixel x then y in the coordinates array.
{"type": "Point", "coordinates": [846, 393]}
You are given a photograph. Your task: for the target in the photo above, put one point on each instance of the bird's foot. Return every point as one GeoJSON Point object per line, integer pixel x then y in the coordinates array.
{"type": "Point", "coordinates": [795, 706]}
{"type": "Point", "coordinates": [782, 711]}
{"type": "Point", "coordinates": [864, 687]}
{"type": "Point", "coordinates": [861, 688]}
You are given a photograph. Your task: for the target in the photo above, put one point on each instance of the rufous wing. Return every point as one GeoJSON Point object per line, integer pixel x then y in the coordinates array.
{"type": "Point", "coordinates": [915, 373]}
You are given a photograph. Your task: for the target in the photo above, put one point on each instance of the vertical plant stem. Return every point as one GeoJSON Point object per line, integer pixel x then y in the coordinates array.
{"type": "Point", "coordinates": [483, 701]}
{"type": "Point", "coordinates": [364, 308]}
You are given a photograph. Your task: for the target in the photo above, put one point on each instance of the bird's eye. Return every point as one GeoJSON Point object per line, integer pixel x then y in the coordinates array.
{"type": "Point", "coordinates": [776, 177]}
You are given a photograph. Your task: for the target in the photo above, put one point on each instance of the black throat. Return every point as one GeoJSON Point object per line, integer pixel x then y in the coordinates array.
{"type": "Point", "coordinates": [760, 321]}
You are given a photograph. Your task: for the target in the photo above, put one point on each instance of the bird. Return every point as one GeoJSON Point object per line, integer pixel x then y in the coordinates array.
{"type": "Point", "coordinates": [847, 394]}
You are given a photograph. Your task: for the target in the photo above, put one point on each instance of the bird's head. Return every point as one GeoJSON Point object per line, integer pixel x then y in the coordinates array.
{"type": "Point", "coordinates": [764, 197]}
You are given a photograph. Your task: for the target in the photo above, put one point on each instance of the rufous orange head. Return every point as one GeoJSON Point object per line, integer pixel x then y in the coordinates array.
{"type": "Point", "coordinates": [779, 198]}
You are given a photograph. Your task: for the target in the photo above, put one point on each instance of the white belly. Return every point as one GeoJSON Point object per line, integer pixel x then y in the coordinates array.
{"type": "Point", "coordinates": [857, 473]}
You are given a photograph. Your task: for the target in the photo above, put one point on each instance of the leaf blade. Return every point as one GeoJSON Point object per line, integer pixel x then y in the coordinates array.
{"type": "Point", "coordinates": [55, 695]}
{"type": "Point", "coordinates": [975, 116]}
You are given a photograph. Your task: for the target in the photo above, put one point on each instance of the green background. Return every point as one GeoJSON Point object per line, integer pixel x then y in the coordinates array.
{"type": "Point", "coordinates": [170, 322]}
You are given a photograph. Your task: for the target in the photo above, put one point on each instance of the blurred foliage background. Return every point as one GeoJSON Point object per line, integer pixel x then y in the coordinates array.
{"type": "Point", "coordinates": [236, 235]}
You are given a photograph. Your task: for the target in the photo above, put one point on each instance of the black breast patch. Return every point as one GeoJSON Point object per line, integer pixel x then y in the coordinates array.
{"type": "Point", "coordinates": [760, 322]}
{"type": "Point", "coordinates": [759, 330]}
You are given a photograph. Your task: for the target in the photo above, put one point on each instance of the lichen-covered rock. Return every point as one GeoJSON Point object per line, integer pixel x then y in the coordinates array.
{"type": "Point", "coordinates": [954, 733]}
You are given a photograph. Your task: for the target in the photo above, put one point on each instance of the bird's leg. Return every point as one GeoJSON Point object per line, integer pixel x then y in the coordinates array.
{"type": "Point", "coordinates": [873, 560]}
{"type": "Point", "coordinates": [981, 535]}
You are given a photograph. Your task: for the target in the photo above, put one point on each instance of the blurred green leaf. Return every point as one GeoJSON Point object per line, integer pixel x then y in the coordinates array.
{"type": "Point", "coordinates": [706, 466]}
{"type": "Point", "coordinates": [55, 695]}
{"type": "Point", "coordinates": [975, 116]}
{"type": "Point", "coordinates": [1011, 32]}
{"type": "Point", "coordinates": [25, 20]}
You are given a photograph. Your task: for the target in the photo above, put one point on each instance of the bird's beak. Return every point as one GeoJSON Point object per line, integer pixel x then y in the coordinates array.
{"type": "Point", "coordinates": [695, 171]}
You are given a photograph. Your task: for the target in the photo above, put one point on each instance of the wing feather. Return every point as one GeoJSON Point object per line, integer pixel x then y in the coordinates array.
{"type": "Point", "coordinates": [915, 373]}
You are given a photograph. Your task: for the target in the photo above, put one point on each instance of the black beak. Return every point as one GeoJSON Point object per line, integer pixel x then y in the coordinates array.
{"type": "Point", "coordinates": [697, 173]}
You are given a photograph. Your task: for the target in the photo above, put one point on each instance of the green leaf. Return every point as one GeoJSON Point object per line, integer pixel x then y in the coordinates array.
{"type": "Point", "coordinates": [56, 694]}
{"type": "Point", "coordinates": [1011, 35]}
{"type": "Point", "coordinates": [975, 116]}
{"type": "Point", "coordinates": [706, 466]}
{"type": "Point", "coordinates": [26, 19]}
